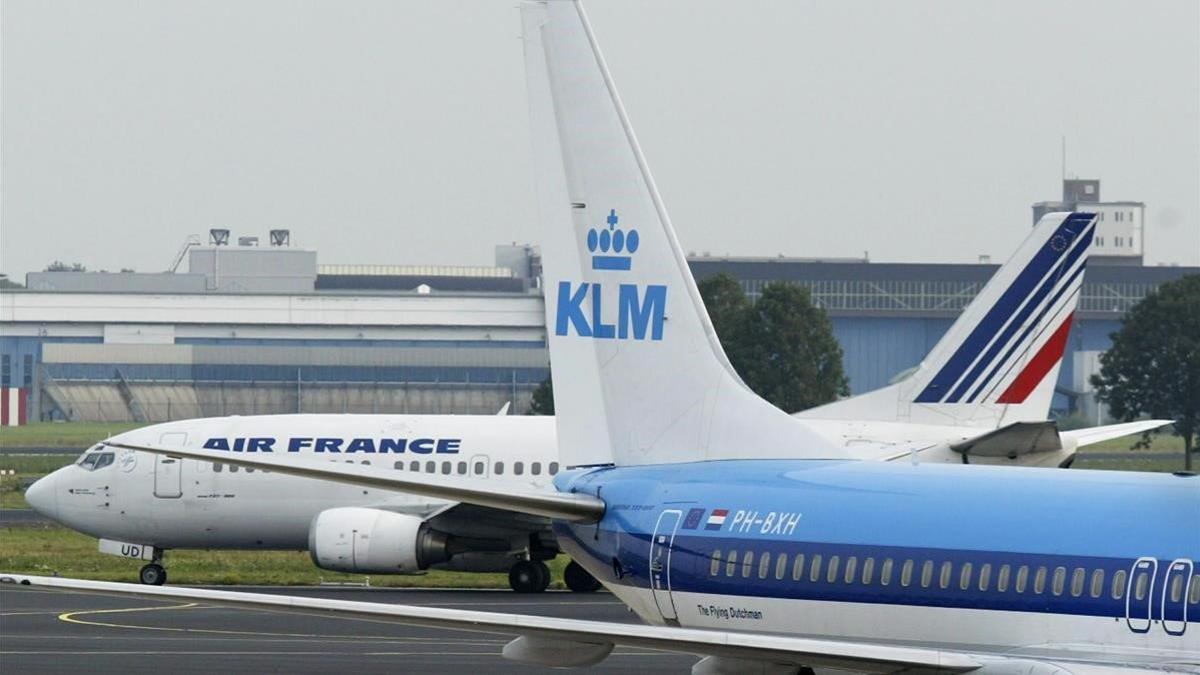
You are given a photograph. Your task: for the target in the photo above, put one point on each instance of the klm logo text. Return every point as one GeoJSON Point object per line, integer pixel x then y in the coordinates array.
{"type": "Point", "coordinates": [639, 314]}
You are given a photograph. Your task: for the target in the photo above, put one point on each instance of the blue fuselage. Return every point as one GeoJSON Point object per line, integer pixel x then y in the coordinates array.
{"type": "Point", "coordinates": [737, 537]}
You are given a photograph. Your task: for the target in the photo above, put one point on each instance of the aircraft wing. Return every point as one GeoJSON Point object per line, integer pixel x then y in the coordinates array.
{"type": "Point", "coordinates": [555, 641]}
{"type": "Point", "coordinates": [481, 492]}
{"type": "Point", "coordinates": [1083, 437]}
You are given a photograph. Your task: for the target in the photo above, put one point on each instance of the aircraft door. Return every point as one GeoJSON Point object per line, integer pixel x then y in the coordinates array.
{"type": "Point", "coordinates": [1139, 594]}
{"type": "Point", "coordinates": [480, 466]}
{"type": "Point", "coordinates": [168, 471]}
{"type": "Point", "coordinates": [1175, 596]}
{"type": "Point", "coordinates": [660, 563]}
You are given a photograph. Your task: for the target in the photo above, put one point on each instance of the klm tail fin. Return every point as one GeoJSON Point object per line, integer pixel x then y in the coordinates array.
{"type": "Point", "coordinates": [639, 375]}
{"type": "Point", "coordinates": [999, 362]}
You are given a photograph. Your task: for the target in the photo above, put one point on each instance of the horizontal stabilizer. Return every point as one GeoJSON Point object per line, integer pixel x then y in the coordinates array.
{"type": "Point", "coordinates": [812, 652]}
{"type": "Point", "coordinates": [1012, 441]}
{"type": "Point", "coordinates": [1083, 437]}
{"type": "Point", "coordinates": [481, 492]}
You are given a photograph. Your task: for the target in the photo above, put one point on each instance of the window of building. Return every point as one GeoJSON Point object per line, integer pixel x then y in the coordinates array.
{"type": "Point", "coordinates": [1059, 580]}
{"type": "Point", "coordinates": [1077, 579]}
{"type": "Point", "coordinates": [27, 370]}
{"type": "Point", "coordinates": [1022, 578]}
{"type": "Point", "coordinates": [553, 469]}
{"type": "Point", "coordinates": [985, 576]}
{"type": "Point", "coordinates": [906, 571]}
{"type": "Point", "coordinates": [885, 572]}
{"type": "Point", "coordinates": [1097, 583]}
{"type": "Point", "coordinates": [714, 568]}
{"type": "Point", "coordinates": [1118, 584]}
{"type": "Point", "coordinates": [1002, 578]}
{"type": "Point", "coordinates": [1039, 580]}
{"type": "Point", "coordinates": [499, 469]}
{"type": "Point", "coordinates": [5, 370]}
{"type": "Point", "coordinates": [781, 566]}
{"type": "Point", "coordinates": [926, 574]}
{"type": "Point", "coordinates": [868, 573]}
{"type": "Point", "coordinates": [764, 565]}
{"type": "Point", "coordinates": [798, 567]}
{"type": "Point", "coordinates": [814, 569]}
{"type": "Point", "coordinates": [964, 577]}
{"type": "Point", "coordinates": [832, 571]}
{"type": "Point", "coordinates": [462, 468]}
{"type": "Point", "coordinates": [731, 563]}
{"type": "Point", "coordinates": [518, 468]}
{"type": "Point", "coordinates": [535, 468]}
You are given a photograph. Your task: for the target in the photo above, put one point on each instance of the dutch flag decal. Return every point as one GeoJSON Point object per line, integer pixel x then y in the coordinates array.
{"type": "Point", "coordinates": [717, 519]}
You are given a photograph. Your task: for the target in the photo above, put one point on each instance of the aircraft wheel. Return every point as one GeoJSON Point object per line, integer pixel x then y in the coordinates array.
{"type": "Point", "coordinates": [153, 575]}
{"type": "Point", "coordinates": [578, 579]}
{"type": "Point", "coordinates": [529, 576]}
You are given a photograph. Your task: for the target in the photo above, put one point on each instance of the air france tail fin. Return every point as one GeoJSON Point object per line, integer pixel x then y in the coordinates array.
{"type": "Point", "coordinates": [999, 362]}
{"type": "Point", "coordinates": [639, 375]}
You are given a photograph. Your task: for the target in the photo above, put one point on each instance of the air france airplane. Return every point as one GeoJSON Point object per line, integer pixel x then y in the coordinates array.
{"type": "Point", "coordinates": [730, 527]}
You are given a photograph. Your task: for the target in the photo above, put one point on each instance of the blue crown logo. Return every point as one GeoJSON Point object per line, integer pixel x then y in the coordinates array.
{"type": "Point", "coordinates": [611, 243]}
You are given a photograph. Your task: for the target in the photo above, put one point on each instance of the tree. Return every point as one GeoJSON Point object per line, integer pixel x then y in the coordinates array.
{"type": "Point", "coordinates": [1153, 366]}
{"type": "Point", "coordinates": [60, 266]}
{"type": "Point", "coordinates": [783, 347]}
{"type": "Point", "coordinates": [543, 399]}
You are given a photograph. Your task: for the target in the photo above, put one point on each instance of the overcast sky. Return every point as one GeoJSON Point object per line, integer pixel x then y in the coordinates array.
{"type": "Point", "coordinates": [396, 132]}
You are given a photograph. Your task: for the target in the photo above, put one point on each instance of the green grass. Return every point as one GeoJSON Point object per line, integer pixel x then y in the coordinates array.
{"type": "Point", "coordinates": [28, 468]}
{"type": "Point", "coordinates": [62, 434]}
{"type": "Point", "coordinates": [50, 550]}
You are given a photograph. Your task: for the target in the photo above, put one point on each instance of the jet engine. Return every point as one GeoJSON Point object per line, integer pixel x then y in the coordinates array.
{"type": "Point", "coordinates": [354, 539]}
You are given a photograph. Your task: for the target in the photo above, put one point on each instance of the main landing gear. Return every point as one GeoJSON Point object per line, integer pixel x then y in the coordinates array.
{"type": "Point", "coordinates": [579, 580]}
{"type": "Point", "coordinates": [153, 573]}
{"type": "Point", "coordinates": [529, 576]}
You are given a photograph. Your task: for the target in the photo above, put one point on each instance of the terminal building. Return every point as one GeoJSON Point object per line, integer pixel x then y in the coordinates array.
{"type": "Point", "coordinates": [250, 329]}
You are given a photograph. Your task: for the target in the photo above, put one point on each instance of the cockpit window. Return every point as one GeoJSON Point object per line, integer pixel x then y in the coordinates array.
{"type": "Point", "coordinates": [96, 460]}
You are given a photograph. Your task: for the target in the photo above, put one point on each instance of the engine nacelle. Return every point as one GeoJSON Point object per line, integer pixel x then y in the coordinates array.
{"type": "Point", "coordinates": [354, 539]}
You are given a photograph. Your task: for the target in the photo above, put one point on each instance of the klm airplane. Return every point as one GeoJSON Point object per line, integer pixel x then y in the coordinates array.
{"type": "Point", "coordinates": [732, 529]}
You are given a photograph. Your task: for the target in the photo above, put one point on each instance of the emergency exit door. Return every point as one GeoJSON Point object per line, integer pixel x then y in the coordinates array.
{"type": "Point", "coordinates": [168, 471]}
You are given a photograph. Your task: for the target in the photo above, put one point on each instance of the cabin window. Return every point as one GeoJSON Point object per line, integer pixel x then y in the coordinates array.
{"type": "Point", "coordinates": [249, 469]}
{"type": "Point", "coordinates": [985, 576]}
{"type": "Point", "coordinates": [1077, 579]}
{"type": "Point", "coordinates": [926, 574]}
{"type": "Point", "coordinates": [447, 467]}
{"type": "Point", "coordinates": [964, 577]}
{"type": "Point", "coordinates": [851, 569]}
{"type": "Point", "coordinates": [747, 564]}
{"type": "Point", "coordinates": [399, 465]}
{"type": "Point", "coordinates": [1139, 586]}
{"type": "Point", "coordinates": [480, 467]}
{"type": "Point", "coordinates": [832, 571]}
{"type": "Point", "coordinates": [218, 467]}
{"type": "Point", "coordinates": [1002, 578]}
{"type": "Point", "coordinates": [518, 468]}
{"type": "Point", "coordinates": [431, 467]}
{"type": "Point", "coordinates": [944, 575]}
{"type": "Point", "coordinates": [1039, 580]}
{"type": "Point", "coordinates": [906, 572]}
{"type": "Point", "coordinates": [553, 470]}
{"type": "Point", "coordinates": [868, 573]}
{"type": "Point", "coordinates": [535, 468]}
{"type": "Point", "coordinates": [714, 567]}
{"type": "Point", "coordinates": [1194, 593]}
{"type": "Point", "coordinates": [366, 462]}
{"type": "Point", "coordinates": [1097, 583]}
{"type": "Point", "coordinates": [1118, 585]}
{"type": "Point", "coordinates": [814, 570]}
{"type": "Point", "coordinates": [89, 461]}
{"type": "Point", "coordinates": [499, 470]}
{"type": "Point", "coordinates": [731, 563]}
{"type": "Point", "coordinates": [462, 468]}
{"type": "Point", "coordinates": [1177, 588]}
{"type": "Point", "coordinates": [798, 567]}
{"type": "Point", "coordinates": [233, 468]}
{"type": "Point", "coordinates": [885, 572]}
{"type": "Point", "coordinates": [780, 566]}
{"type": "Point", "coordinates": [414, 466]}
{"type": "Point", "coordinates": [1022, 578]}
{"type": "Point", "coordinates": [104, 459]}
{"type": "Point", "coordinates": [1060, 579]}
{"type": "Point", "coordinates": [764, 565]}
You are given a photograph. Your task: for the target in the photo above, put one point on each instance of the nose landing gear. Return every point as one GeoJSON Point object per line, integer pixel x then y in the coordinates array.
{"type": "Point", "coordinates": [153, 573]}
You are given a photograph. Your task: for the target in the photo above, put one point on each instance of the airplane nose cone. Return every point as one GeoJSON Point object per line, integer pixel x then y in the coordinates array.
{"type": "Point", "coordinates": [42, 496]}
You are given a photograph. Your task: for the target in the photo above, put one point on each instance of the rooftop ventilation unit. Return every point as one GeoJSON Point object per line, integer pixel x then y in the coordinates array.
{"type": "Point", "coordinates": [281, 237]}
{"type": "Point", "coordinates": [218, 237]}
